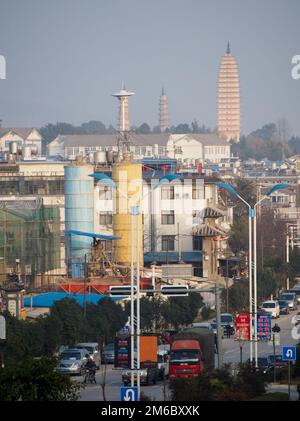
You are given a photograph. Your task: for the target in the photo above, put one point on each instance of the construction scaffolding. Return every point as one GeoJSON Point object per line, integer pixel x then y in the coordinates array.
{"type": "Point", "coordinates": [29, 234]}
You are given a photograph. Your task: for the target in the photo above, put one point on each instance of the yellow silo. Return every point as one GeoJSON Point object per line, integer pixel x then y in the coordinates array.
{"type": "Point", "coordinates": [127, 176]}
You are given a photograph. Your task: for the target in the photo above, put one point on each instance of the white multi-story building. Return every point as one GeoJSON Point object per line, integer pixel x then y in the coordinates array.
{"type": "Point", "coordinates": [185, 148]}
{"type": "Point", "coordinates": [183, 221]}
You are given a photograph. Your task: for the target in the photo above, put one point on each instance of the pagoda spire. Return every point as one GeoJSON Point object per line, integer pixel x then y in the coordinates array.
{"type": "Point", "coordinates": [228, 48]}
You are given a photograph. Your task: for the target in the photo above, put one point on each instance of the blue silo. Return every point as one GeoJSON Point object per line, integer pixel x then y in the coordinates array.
{"type": "Point", "coordinates": [79, 214]}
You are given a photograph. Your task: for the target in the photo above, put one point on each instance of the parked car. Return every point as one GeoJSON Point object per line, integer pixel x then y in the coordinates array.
{"type": "Point", "coordinates": [263, 364]}
{"type": "Point", "coordinates": [93, 349]}
{"type": "Point", "coordinates": [276, 361]}
{"type": "Point", "coordinates": [296, 290]}
{"type": "Point", "coordinates": [72, 361]}
{"type": "Point", "coordinates": [283, 307]}
{"type": "Point", "coordinates": [291, 299]}
{"type": "Point", "coordinates": [202, 325]}
{"type": "Point", "coordinates": [227, 322]}
{"type": "Point", "coordinates": [108, 354]}
{"type": "Point", "coordinates": [224, 329]}
{"type": "Point", "coordinates": [271, 307]}
{"type": "Point", "coordinates": [262, 312]}
{"type": "Point", "coordinates": [213, 326]}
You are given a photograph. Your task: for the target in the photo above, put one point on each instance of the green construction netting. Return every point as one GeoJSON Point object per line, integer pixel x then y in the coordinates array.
{"type": "Point", "coordinates": [32, 236]}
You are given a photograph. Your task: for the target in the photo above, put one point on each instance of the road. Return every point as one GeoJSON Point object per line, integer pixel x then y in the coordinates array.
{"type": "Point", "coordinates": [231, 354]}
{"type": "Point", "coordinates": [231, 350]}
{"type": "Point", "coordinates": [113, 384]}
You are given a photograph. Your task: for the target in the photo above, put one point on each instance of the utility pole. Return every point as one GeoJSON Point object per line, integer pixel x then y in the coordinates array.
{"type": "Point", "coordinates": [84, 286]}
{"type": "Point", "coordinates": [132, 293]}
{"type": "Point", "coordinates": [227, 297]}
{"type": "Point", "coordinates": [138, 321]}
{"type": "Point", "coordinates": [274, 353]}
{"type": "Point", "coordinates": [218, 320]}
{"type": "Point", "coordinates": [287, 257]}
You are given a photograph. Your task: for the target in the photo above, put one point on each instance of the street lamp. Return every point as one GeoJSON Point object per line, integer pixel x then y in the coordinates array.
{"type": "Point", "coordinates": [232, 190]}
{"type": "Point", "coordinates": [268, 193]}
{"type": "Point", "coordinates": [252, 215]}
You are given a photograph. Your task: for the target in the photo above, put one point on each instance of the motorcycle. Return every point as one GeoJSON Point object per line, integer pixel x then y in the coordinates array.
{"type": "Point", "coordinates": [89, 376]}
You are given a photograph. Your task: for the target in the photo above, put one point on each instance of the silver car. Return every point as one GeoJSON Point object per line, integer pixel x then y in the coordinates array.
{"type": "Point", "coordinates": [290, 298]}
{"type": "Point", "coordinates": [72, 361]}
{"type": "Point", "coordinates": [93, 350]}
{"type": "Point", "coordinates": [108, 356]}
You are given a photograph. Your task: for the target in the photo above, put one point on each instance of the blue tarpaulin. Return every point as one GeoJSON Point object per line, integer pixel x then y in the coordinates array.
{"type": "Point", "coordinates": [49, 298]}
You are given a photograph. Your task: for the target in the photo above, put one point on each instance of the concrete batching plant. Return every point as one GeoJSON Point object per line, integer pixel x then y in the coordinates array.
{"type": "Point", "coordinates": [79, 213]}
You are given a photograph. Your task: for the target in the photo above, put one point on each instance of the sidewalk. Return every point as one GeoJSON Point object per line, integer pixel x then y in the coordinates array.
{"type": "Point", "coordinates": [277, 387]}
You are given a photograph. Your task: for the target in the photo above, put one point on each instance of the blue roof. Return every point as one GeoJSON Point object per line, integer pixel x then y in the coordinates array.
{"type": "Point", "coordinates": [92, 235]}
{"type": "Point", "coordinates": [103, 177]}
{"type": "Point", "coordinates": [49, 298]}
{"type": "Point", "coordinates": [161, 257]}
{"type": "Point", "coordinates": [192, 256]}
{"type": "Point", "coordinates": [172, 256]}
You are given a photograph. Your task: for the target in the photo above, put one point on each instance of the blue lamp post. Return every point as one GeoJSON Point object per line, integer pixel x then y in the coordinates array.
{"type": "Point", "coordinates": [252, 264]}
{"type": "Point", "coordinates": [268, 193]}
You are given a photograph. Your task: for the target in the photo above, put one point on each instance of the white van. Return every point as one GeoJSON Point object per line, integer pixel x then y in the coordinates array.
{"type": "Point", "coordinates": [271, 306]}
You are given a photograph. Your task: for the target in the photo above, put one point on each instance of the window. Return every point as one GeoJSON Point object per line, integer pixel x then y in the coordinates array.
{"type": "Point", "coordinates": [105, 192]}
{"type": "Point", "coordinates": [161, 151]}
{"type": "Point", "coordinates": [197, 243]}
{"type": "Point", "coordinates": [168, 243]}
{"type": "Point", "coordinates": [105, 218]}
{"type": "Point", "coordinates": [167, 192]}
{"type": "Point", "coordinates": [197, 191]}
{"type": "Point", "coordinates": [167, 218]}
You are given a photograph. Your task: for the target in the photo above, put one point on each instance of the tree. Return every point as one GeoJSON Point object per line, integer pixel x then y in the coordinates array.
{"type": "Point", "coordinates": [144, 129]}
{"type": "Point", "coordinates": [294, 144]}
{"type": "Point", "coordinates": [239, 230]}
{"type": "Point", "coordinates": [219, 385]}
{"type": "Point", "coordinates": [182, 128]}
{"type": "Point", "coordinates": [36, 380]}
{"type": "Point", "coordinates": [151, 316]}
{"type": "Point", "coordinates": [69, 312]}
{"type": "Point", "coordinates": [181, 311]}
{"type": "Point", "coordinates": [238, 297]}
{"type": "Point", "coordinates": [51, 131]}
{"type": "Point", "coordinates": [283, 129]}
{"type": "Point", "coordinates": [93, 127]}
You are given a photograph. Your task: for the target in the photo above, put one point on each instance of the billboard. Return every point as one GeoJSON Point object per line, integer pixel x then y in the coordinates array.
{"type": "Point", "coordinates": [264, 327]}
{"type": "Point", "coordinates": [123, 351]}
{"type": "Point", "coordinates": [242, 332]}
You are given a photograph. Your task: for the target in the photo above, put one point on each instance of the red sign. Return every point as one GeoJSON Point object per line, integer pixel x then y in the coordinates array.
{"type": "Point", "coordinates": [242, 332]}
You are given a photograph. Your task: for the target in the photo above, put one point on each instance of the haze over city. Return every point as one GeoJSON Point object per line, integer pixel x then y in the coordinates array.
{"type": "Point", "coordinates": [65, 58]}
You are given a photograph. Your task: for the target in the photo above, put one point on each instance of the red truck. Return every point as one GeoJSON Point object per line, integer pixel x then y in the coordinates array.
{"type": "Point", "coordinates": [192, 352]}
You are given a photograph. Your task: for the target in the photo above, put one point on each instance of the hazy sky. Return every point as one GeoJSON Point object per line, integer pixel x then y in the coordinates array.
{"type": "Point", "coordinates": [65, 57]}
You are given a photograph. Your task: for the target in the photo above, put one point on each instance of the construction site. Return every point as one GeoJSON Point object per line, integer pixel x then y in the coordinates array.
{"type": "Point", "coordinates": [77, 238]}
